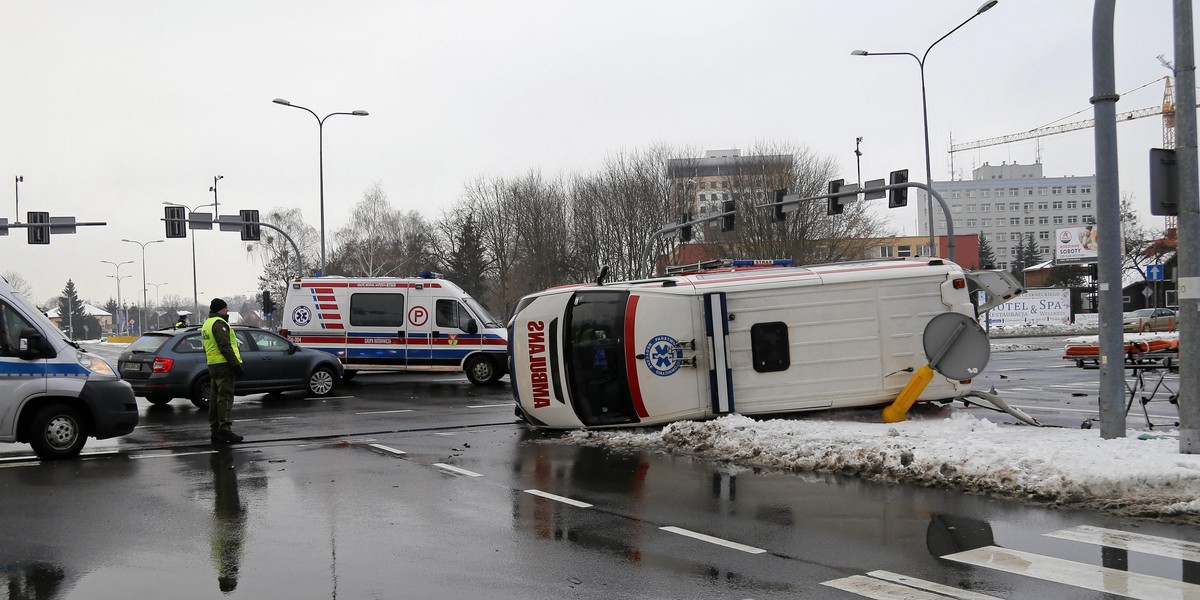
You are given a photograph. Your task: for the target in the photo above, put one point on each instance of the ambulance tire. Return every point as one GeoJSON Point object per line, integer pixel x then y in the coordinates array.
{"type": "Point", "coordinates": [57, 432]}
{"type": "Point", "coordinates": [201, 392]}
{"type": "Point", "coordinates": [482, 370]}
{"type": "Point", "coordinates": [321, 382]}
{"type": "Point", "coordinates": [348, 375]}
{"type": "Point", "coordinates": [158, 399]}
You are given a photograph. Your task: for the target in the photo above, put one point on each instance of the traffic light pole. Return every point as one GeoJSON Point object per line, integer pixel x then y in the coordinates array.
{"type": "Point", "coordinates": [854, 192]}
{"type": "Point", "coordinates": [655, 235]}
{"type": "Point", "coordinates": [203, 222]}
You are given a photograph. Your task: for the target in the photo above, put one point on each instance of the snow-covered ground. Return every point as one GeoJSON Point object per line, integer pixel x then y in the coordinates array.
{"type": "Point", "coordinates": [1140, 475]}
{"type": "Point", "coordinates": [951, 446]}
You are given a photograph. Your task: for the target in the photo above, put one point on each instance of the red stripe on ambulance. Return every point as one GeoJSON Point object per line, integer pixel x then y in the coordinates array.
{"type": "Point", "coordinates": [631, 361]}
{"type": "Point", "coordinates": [537, 364]}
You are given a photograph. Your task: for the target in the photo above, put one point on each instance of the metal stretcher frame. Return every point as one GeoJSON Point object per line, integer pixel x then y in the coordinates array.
{"type": "Point", "coordinates": [1141, 369]}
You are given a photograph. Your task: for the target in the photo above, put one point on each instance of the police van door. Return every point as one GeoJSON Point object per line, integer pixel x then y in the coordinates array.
{"type": "Point", "coordinates": [20, 378]}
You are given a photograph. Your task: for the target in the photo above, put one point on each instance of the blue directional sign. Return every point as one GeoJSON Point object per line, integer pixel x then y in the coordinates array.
{"type": "Point", "coordinates": [1154, 272]}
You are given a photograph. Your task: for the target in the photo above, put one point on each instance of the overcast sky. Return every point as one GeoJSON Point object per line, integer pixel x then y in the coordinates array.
{"type": "Point", "coordinates": [111, 108]}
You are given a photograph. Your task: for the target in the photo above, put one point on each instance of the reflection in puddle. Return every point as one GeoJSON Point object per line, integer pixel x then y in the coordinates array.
{"type": "Point", "coordinates": [30, 581]}
{"type": "Point", "coordinates": [229, 520]}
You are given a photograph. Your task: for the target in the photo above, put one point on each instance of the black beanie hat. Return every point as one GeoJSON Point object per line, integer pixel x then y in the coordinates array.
{"type": "Point", "coordinates": [216, 305]}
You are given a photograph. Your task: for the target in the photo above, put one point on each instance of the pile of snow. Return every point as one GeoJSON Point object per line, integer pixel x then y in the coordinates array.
{"type": "Point", "coordinates": [997, 331]}
{"type": "Point", "coordinates": [950, 448]}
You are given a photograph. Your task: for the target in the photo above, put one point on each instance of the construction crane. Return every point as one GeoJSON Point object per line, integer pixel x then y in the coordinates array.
{"type": "Point", "coordinates": [1167, 110]}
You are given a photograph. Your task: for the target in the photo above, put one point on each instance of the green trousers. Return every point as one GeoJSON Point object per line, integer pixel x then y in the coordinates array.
{"type": "Point", "coordinates": [220, 405]}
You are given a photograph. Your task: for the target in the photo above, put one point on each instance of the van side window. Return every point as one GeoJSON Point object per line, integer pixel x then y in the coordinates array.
{"type": "Point", "coordinates": [377, 310]}
{"type": "Point", "coordinates": [11, 326]}
{"type": "Point", "coordinates": [451, 313]}
{"type": "Point", "coordinates": [769, 347]}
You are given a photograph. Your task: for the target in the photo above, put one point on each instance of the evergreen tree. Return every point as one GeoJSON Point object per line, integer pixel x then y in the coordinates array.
{"type": "Point", "coordinates": [73, 318]}
{"type": "Point", "coordinates": [466, 263]}
{"type": "Point", "coordinates": [987, 257]}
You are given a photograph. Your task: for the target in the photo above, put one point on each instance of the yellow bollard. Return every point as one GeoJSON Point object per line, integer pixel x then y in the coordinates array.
{"type": "Point", "coordinates": [896, 411]}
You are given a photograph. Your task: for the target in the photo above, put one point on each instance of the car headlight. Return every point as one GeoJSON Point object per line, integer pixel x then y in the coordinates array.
{"type": "Point", "coordinates": [95, 364]}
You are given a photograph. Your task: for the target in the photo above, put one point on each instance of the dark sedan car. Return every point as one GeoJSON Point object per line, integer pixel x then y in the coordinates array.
{"type": "Point", "coordinates": [167, 364]}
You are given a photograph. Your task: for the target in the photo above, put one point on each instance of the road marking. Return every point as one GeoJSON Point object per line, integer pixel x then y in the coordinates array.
{"type": "Point", "coordinates": [1090, 577]}
{"type": "Point", "coordinates": [385, 412]}
{"type": "Point", "coordinates": [491, 406]}
{"type": "Point", "coordinates": [446, 467]}
{"type": "Point", "coordinates": [172, 454]}
{"type": "Point", "coordinates": [562, 499]}
{"type": "Point", "coordinates": [713, 540]}
{"type": "Point", "coordinates": [334, 398]}
{"type": "Point", "coordinates": [388, 449]}
{"type": "Point", "coordinates": [1137, 542]}
{"type": "Point", "coordinates": [890, 588]}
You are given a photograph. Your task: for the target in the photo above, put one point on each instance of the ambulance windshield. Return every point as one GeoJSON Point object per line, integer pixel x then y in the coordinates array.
{"type": "Point", "coordinates": [595, 346]}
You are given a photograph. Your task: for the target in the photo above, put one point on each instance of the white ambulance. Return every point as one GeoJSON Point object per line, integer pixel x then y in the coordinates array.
{"type": "Point", "coordinates": [740, 338]}
{"type": "Point", "coordinates": [389, 323]}
{"type": "Point", "coordinates": [53, 393]}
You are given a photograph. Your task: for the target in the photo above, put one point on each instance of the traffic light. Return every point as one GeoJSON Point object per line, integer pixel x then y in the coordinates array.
{"type": "Point", "coordinates": [40, 234]}
{"type": "Point", "coordinates": [1164, 183]}
{"type": "Point", "coordinates": [176, 221]}
{"type": "Point", "coordinates": [685, 233]}
{"type": "Point", "coordinates": [250, 228]}
{"type": "Point", "coordinates": [777, 214]}
{"type": "Point", "coordinates": [727, 221]}
{"type": "Point", "coordinates": [268, 307]}
{"type": "Point", "coordinates": [835, 204]}
{"type": "Point", "coordinates": [898, 197]}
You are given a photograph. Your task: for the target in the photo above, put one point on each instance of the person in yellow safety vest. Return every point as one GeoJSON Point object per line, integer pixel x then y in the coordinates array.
{"type": "Point", "coordinates": [224, 367]}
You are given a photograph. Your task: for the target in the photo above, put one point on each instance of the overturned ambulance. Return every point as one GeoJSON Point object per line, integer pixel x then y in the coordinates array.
{"type": "Point", "coordinates": [742, 337]}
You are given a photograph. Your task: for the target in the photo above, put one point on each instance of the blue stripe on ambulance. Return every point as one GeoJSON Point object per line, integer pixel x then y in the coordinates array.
{"type": "Point", "coordinates": [720, 374]}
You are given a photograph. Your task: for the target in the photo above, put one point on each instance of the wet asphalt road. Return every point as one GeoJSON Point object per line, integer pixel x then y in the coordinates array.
{"type": "Point", "coordinates": [423, 486]}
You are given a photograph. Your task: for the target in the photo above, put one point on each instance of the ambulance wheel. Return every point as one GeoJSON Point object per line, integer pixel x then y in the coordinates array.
{"type": "Point", "coordinates": [202, 392]}
{"type": "Point", "coordinates": [57, 432]}
{"type": "Point", "coordinates": [481, 370]}
{"type": "Point", "coordinates": [321, 382]}
{"type": "Point", "coordinates": [348, 375]}
{"type": "Point", "coordinates": [158, 399]}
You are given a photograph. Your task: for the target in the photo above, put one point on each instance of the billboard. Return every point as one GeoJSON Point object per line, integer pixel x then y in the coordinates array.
{"type": "Point", "coordinates": [1075, 245]}
{"type": "Point", "coordinates": [1045, 306]}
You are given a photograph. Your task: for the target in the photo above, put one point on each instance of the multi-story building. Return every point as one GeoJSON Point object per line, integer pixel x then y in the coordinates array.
{"type": "Point", "coordinates": [1010, 202]}
{"type": "Point", "coordinates": [700, 185]}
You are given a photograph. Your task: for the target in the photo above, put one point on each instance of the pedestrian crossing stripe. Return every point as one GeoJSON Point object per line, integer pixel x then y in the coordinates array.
{"type": "Point", "coordinates": [1067, 572]}
{"type": "Point", "coordinates": [885, 585]}
{"type": "Point", "coordinates": [1135, 542]}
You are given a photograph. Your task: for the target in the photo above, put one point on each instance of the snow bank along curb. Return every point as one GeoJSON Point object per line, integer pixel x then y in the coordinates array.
{"type": "Point", "coordinates": [1130, 476]}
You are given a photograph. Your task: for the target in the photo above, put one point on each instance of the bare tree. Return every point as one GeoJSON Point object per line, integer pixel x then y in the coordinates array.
{"type": "Point", "coordinates": [19, 284]}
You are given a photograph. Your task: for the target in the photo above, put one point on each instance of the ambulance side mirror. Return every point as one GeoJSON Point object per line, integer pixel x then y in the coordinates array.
{"type": "Point", "coordinates": [472, 327]}
{"type": "Point", "coordinates": [32, 344]}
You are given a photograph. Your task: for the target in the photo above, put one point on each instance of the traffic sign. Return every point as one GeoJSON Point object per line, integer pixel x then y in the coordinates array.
{"type": "Point", "coordinates": [1154, 272]}
{"type": "Point", "coordinates": [874, 194]}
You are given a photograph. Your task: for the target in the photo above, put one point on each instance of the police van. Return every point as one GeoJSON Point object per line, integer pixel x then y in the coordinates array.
{"type": "Point", "coordinates": [390, 323]}
{"type": "Point", "coordinates": [54, 394]}
{"type": "Point", "coordinates": [738, 337]}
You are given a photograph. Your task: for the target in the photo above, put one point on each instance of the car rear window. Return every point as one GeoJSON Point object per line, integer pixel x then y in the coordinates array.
{"type": "Point", "coordinates": [148, 343]}
{"type": "Point", "coordinates": [190, 343]}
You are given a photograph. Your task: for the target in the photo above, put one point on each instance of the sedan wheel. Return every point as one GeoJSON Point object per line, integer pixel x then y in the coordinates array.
{"type": "Point", "coordinates": [321, 382]}
{"type": "Point", "coordinates": [202, 392]}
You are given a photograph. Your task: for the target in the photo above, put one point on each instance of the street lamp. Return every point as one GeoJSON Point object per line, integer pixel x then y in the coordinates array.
{"type": "Point", "coordinates": [142, 311]}
{"type": "Point", "coordinates": [119, 277]}
{"type": "Point", "coordinates": [321, 159]}
{"type": "Point", "coordinates": [924, 107]}
{"type": "Point", "coordinates": [157, 304]}
{"type": "Point", "coordinates": [190, 210]}
{"type": "Point", "coordinates": [213, 188]}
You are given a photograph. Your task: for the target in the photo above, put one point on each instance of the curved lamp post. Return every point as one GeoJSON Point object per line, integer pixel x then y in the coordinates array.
{"type": "Point", "coordinates": [321, 158]}
{"type": "Point", "coordinates": [924, 106]}
{"type": "Point", "coordinates": [142, 310]}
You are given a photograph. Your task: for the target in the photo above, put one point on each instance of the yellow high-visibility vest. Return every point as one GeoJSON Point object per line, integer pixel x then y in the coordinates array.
{"type": "Point", "coordinates": [211, 350]}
